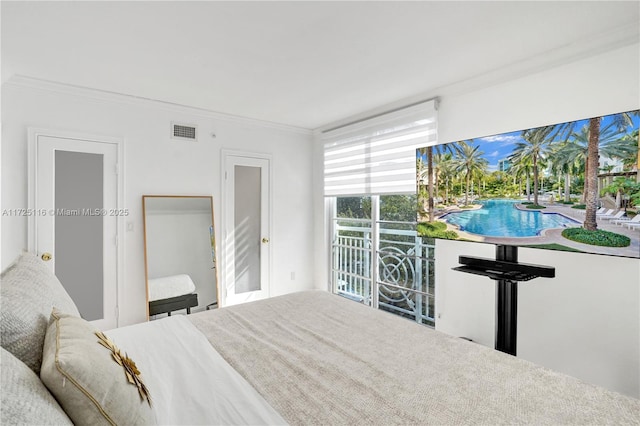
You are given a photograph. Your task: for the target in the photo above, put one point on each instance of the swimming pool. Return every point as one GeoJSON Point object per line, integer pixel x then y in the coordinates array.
{"type": "Point", "coordinates": [500, 218]}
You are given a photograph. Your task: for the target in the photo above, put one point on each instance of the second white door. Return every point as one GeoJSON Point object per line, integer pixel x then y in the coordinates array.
{"type": "Point", "coordinates": [247, 252]}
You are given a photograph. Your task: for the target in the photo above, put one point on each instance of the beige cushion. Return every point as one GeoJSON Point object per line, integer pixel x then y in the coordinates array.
{"type": "Point", "coordinates": [29, 291]}
{"type": "Point", "coordinates": [25, 400]}
{"type": "Point", "coordinates": [83, 376]}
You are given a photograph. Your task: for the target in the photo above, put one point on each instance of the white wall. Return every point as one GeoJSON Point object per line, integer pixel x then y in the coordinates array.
{"type": "Point", "coordinates": [157, 164]}
{"type": "Point", "coordinates": [586, 321]}
{"type": "Point", "coordinates": [599, 85]}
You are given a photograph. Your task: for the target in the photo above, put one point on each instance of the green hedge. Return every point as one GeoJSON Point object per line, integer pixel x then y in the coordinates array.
{"type": "Point", "coordinates": [579, 206]}
{"type": "Point", "coordinates": [597, 237]}
{"type": "Point", "coordinates": [436, 230]}
{"type": "Point", "coordinates": [431, 226]}
{"type": "Point", "coordinates": [535, 206]}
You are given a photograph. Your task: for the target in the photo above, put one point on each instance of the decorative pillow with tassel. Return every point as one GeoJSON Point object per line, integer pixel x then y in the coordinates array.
{"type": "Point", "coordinates": [95, 382]}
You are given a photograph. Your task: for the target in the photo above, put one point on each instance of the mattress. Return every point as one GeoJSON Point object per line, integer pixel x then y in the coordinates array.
{"type": "Point", "coordinates": [320, 359]}
{"type": "Point", "coordinates": [170, 286]}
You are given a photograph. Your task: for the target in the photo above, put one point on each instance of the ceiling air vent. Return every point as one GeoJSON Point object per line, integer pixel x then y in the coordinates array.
{"type": "Point", "coordinates": [184, 131]}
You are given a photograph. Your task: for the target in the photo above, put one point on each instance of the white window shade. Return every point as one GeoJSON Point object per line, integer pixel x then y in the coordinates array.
{"type": "Point", "coordinates": [378, 155]}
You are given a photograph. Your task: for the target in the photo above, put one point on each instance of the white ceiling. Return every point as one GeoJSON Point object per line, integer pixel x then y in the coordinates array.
{"type": "Point", "coordinates": [304, 64]}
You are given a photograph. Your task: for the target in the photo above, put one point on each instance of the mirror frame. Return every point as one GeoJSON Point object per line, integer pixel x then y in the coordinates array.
{"type": "Point", "coordinates": [144, 235]}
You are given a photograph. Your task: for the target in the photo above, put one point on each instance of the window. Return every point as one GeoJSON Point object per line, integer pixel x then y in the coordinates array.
{"type": "Point", "coordinates": [377, 257]}
{"type": "Point", "coordinates": [383, 262]}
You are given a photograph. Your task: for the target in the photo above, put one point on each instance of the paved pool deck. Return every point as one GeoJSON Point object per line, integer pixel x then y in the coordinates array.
{"type": "Point", "coordinates": [550, 236]}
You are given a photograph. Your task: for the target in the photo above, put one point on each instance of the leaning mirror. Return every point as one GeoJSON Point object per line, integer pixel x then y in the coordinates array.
{"type": "Point", "coordinates": [180, 254]}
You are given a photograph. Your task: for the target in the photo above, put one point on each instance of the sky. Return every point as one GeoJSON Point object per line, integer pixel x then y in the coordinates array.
{"type": "Point", "coordinates": [499, 147]}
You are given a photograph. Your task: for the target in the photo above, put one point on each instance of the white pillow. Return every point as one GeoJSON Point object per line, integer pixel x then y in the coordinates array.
{"type": "Point", "coordinates": [28, 293]}
{"type": "Point", "coordinates": [25, 399]}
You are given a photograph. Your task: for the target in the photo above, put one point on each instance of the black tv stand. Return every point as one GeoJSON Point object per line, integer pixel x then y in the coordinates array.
{"type": "Point", "coordinates": [506, 270]}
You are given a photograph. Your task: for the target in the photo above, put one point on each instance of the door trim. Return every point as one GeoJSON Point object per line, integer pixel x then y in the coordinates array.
{"type": "Point", "coordinates": [33, 133]}
{"type": "Point", "coordinates": [224, 258]}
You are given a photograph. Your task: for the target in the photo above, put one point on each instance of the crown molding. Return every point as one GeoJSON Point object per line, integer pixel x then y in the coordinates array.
{"type": "Point", "coordinates": [597, 44]}
{"type": "Point", "coordinates": [588, 47]}
{"type": "Point", "coordinates": [22, 81]}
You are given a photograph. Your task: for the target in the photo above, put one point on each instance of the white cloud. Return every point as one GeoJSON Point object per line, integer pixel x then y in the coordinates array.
{"type": "Point", "coordinates": [505, 138]}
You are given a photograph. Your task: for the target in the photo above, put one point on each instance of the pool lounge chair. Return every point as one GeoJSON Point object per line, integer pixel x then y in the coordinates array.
{"type": "Point", "coordinates": [633, 225]}
{"type": "Point", "coordinates": [623, 220]}
{"type": "Point", "coordinates": [618, 215]}
{"type": "Point", "coordinates": [601, 210]}
{"type": "Point", "coordinates": [607, 213]}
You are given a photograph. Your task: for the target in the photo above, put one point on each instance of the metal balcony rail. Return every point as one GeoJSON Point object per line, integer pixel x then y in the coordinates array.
{"type": "Point", "coordinates": [402, 274]}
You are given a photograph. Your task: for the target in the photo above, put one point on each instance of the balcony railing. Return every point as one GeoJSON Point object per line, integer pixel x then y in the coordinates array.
{"type": "Point", "coordinates": [402, 276]}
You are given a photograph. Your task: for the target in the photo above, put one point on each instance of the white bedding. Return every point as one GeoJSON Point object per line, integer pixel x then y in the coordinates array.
{"type": "Point", "coordinates": [320, 359]}
{"type": "Point", "coordinates": [171, 286]}
{"type": "Point", "coordinates": [189, 382]}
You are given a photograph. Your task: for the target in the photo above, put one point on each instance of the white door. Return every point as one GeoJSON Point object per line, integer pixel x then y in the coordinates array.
{"type": "Point", "coordinates": [246, 247]}
{"type": "Point", "coordinates": [75, 198]}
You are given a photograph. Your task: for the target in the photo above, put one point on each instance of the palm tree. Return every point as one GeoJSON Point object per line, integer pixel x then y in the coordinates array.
{"type": "Point", "coordinates": [565, 163]}
{"type": "Point", "coordinates": [444, 171]}
{"type": "Point", "coordinates": [448, 172]}
{"type": "Point", "coordinates": [426, 153]}
{"type": "Point", "coordinates": [469, 159]}
{"type": "Point", "coordinates": [535, 146]}
{"type": "Point", "coordinates": [589, 143]}
{"type": "Point", "coordinates": [619, 123]}
{"type": "Point", "coordinates": [575, 151]}
{"type": "Point", "coordinates": [591, 175]}
{"type": "Point", "coordinates": [632, 161]}
{"type": "Point", "coordinates": [421, 170]}
{"type": "Point", "coordinates": [431, 173]}
{"type": "Point", "coordinates": [522, 166]}
{"type": "Point", "coordinates": [476, 180]}
{"type": "Point", "coordinates": [619, 186]}
{"type": "Point", "coordinates": [431, 206]}
{"type": "Point", "coordinates": [574, 154]}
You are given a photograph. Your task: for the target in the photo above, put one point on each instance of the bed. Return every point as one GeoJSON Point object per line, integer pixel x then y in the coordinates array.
{"type": "Point", "coordinates": [306, 358]}
{"type": "Point", "coordinates": [172, 293]}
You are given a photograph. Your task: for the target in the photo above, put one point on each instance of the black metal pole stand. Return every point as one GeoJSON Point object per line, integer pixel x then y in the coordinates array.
{"type": "Point", "coordinates": [506, 305]}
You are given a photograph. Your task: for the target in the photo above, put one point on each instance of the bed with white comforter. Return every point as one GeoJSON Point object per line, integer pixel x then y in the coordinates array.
{"type": "Point", "coordinates": [317, 358]}
{"type": "Point", "coordinates": [305, 358]}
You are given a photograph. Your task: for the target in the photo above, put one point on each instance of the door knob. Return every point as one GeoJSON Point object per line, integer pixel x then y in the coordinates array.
{"type": "Point", "coordinates": [46, 257]}
{"type": "Point", "coordinates": [265, 240]}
